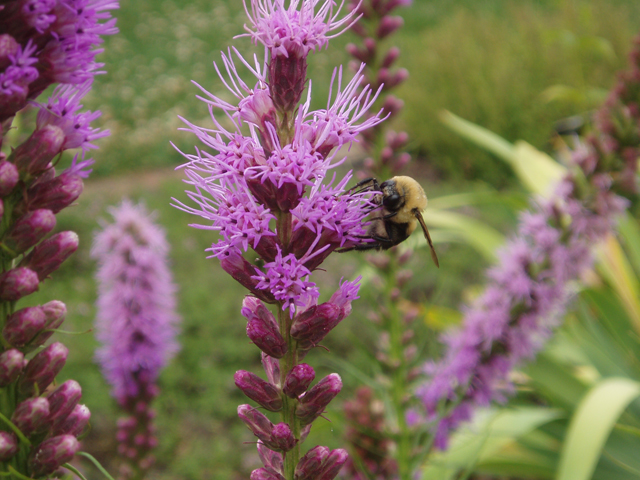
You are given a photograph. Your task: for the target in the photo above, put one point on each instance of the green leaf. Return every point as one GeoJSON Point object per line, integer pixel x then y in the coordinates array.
{"type": "Point", "coordinates": [591, 425]}
{"type": "Point", "coordinates": [630, 231]}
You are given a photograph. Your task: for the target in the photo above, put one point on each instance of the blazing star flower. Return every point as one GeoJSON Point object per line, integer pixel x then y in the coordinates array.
{"type": "Point", "coordinates": [259, 181]}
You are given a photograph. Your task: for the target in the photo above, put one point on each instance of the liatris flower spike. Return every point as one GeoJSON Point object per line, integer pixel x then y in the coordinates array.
{"type": "Point", "coordinates": [528, 289]}
{"type": "Point", "coordinates": [43, 44]}
{"type": "Point", "coordinates": [136, 323]}
{"type": "Point", "coordinates": [260, 181]}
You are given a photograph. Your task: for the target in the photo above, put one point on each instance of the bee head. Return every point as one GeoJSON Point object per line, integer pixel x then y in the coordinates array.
{"type": "Point", "coordinates": [391, 198]}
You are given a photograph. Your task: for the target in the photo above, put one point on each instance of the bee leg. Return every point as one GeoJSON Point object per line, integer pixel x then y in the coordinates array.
{"type": "Point", "coordinates": [361, 247]}
{"type": "Point", "coordinates": [364, 185]}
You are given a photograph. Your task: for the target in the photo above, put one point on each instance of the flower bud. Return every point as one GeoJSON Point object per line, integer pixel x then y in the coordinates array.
{"type": "Point", "coordinates": [313, 403]}
{"type": "Point", "coordinates": [43, 368]}
{"type": "Point", "coordinates": [282, 438]}
{"type": "Point", "coordinates": [11, 364]}
{"type": "Point", "coordinates": [390, 57]}
{"type": "Point", "coordinates": [9, 177]}
{"type": "Point", "coordinates": [18, 283]}
{"type": "Point", "coordinates": [388, 25]}
{"type": "Point", "coordinates": [62, 401]}
{"type": "Point", "coordinates": [75, 422]}
{"type": "Point", "coordinates": [55, 312]}
{"type": "Point", "coordinates": [271, 368]}
{"type": "Point", "coordinates": [23, 325]}
{"type": "Point", "coordinates": [49, 255]}
{"type": "Point", "coordinates": [264, 474]}
{"type": "Point", "coordinates": [53, 453]}
{"type": "Point", "coordinates": [287, 77]}
{"type": "Point", "coordinates": [31, 415]}
{"type": "Point", "coordinates": [273, 461]}
{"type": "Point", "coordinates": [33, 156]}
{"type": "Point", "coordinates": [242, 271]}
{"type": "Point", "coordinates": [29, 229]}
{"type": "Point", "coordinates": [262, 328]}
{"type": "Point", "coordinates": [56, 194]}
{"type": "Point", "coordinates": [332, 465]}
{"type": "Point", "coordinates": [8, 446]}
{"type": "Point", "coordinates": [258, 390]}
{"type": "Point", "coordinates": [298, 380]}
{"type": "Point", "coordinates": [311, 326]}
{"type": "Point", "coordinates": [310, 464]}
{"type": "Point", "coordinates": [257, 423]}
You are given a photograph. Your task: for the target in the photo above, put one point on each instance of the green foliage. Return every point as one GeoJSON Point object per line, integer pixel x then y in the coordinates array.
{"type": "Point", "coordinates": [491, 65]}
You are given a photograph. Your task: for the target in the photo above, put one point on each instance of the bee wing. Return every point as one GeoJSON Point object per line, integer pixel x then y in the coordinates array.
{"type": "Point", "coordinates": [434, 257]}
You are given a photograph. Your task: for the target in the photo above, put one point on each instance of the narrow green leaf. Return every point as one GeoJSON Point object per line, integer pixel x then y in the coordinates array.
{"type": "Point", "coordinates": [97, 464]}
{"type": "Point", "coordinates": [591, 425]}
{"type": "Point", "coordinates": [630, 231]}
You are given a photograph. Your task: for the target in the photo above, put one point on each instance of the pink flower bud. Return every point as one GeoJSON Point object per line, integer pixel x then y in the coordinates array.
{"type": "Point", "coordinates": [75, 422]}
{"type": "Point", "coordinates": [262, 328]}
{"type": "Point", "coordinates": [9, 177]}
{"type": "Point", "coordinates": [49, 255]}
{"type": "Point", "coordinates": [332, 465]}
{"type": "Point", "coordinates": [298, 380]}
{"type": "Point", "coordinates": [390, 57]}
{"type": "Point", "coordinates": [43, 368]}
{"type": "Point", "coordinates": [29, 229]}
{"type": "Point", "coordinates": [55, 312]}
{"type": "Point", "coordinates": [18, 283]}
{"type": "Point", "coordinates": [11, 364]}
{"type": "Point", "coordinates": [258, 390]}
{"type": "Point", "coordinates": [53, 453]}
{"type": "Point", "coordinates": [311, 326]}
{"type": "Point", "coordinates": [287, 78]}
{"type": "Point", "coordinates": [271, 368]}
{"type": "Point", "coordinates": [273, 461]}
{"type": "Point", "coordinates": [8, 446]}
{"type": "Point", "coordinates": [282, 438]}
{"type": "Point", "coordinates": [33, 156]}
{"type": "Point", "coordinates": [62, 401]}
{"type": "Point", "coordinates": [388, 25]}
{"type": "Point", "coordinates": [310, 464]}
{"type": "Point", "coordinates": [56, 194]}
{"type": "Point", "coordinates": [31, 415]}
{"type": "Point", "coordinates": [313, 403]}
{"type": "Point", "coordinates": [257, 423]}
{"type": "Point", "coordinates": [23, 325]}
{"type": "Point", "coordinates": [242, 271]}
{"type": "Point", "coordinates": [264, 474]}
{"type": "Point", "coordinates": [392, 105]}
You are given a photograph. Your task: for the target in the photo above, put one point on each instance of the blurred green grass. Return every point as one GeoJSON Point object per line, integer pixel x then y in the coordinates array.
{"type": "Point", "coordinates": [488, 61]}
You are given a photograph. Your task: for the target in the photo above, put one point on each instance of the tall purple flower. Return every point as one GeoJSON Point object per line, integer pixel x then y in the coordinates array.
{"type": "Point", "coordinates": [136, 323]}
{"type": "Point", "coordinates": [528, 290]}
{"type": "Point", "coordinates": [42, 43]}
{"type": "Point", "coordinates": [260, 181]}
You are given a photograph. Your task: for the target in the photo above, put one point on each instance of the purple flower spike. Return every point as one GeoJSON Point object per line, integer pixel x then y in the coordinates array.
{"type": "Point", "coordinates": [8, 446]}
{"type": "Point", "coordinates": [49, 255]}
{"type": "Point", "coordinates": [309, 466]}
{"type": "Point", "coordinates": [53, 453]}
{"type": "Point", "coordinates": [262, 328]}
{"type": "Point", "coordinates": [257, 423]}
{"type": "Point", "coordinates": [313, 403]}
{"type": "Point", "coordinates": [264, 474]}
{"type": "Point", "coordinates": [258, 390]}
{"type": "Point", "coordinates": [30, 229]}
{"type": "Point", "coordinates": [11, 365]}
{"type": "Point", "coordinates": [62, 401]}
{"type": "Point", "coordinates": [43, 368]}
{"type": "Point", "coordinates": [298, 380]}
{"type": "Point", "coordinates": [23, 325]}
{"type": "Point", "coordinates": [31, 415]}
{"type": "Point", "coordinates": [17, 283]}
{"type": "Point", "coordinates": [9, 177]}
{"type": "Point", "coordinates": [75, 423]}
{"type": "Point", "coordinates": [33, 156]}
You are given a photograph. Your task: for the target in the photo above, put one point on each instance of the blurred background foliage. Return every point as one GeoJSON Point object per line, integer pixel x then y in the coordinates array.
{"type": "Point", "coordinates": [514, 67]}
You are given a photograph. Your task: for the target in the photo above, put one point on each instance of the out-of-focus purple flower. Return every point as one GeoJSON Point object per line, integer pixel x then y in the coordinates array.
{"type": "Point", "coordinates": [136, 320]}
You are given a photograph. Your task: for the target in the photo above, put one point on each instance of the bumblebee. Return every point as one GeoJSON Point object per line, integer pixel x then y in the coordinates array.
{"type": "Point", "coordinates": [401, 201]}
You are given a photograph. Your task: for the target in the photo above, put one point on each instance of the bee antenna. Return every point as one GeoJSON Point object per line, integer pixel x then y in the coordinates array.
{"type": "Point", "coordinates": [434, 257]}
